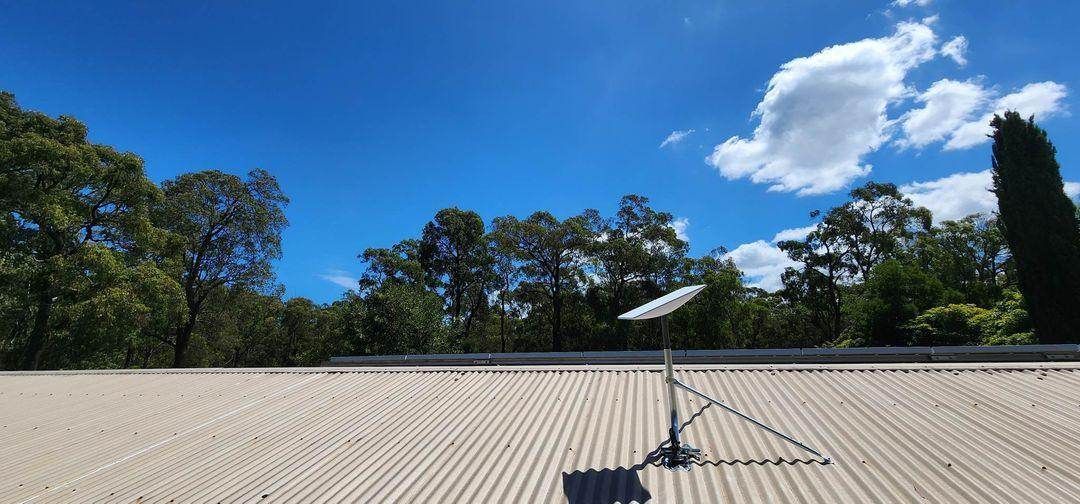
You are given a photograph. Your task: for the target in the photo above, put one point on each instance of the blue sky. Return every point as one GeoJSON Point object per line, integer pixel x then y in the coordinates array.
{"type": "Point", "coordinates": [375, 115]}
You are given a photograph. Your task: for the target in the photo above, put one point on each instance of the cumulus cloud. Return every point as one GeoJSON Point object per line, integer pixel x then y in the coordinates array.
{"type": "Point", "coordinates": [822, 113]}
{"type": "Point", "coordinates": [947, 105]}
{"type": "Point", "coordinates": [675, 137]}
{"type": "Point", "coordinates": [1041, 99]}
{"type": "Point", "coordinates": [680, 225]}
{"type": "Point", "coordinates": [1072, 189]}
{"type": "Point", "coordinates": [340, 278]}
{"type": "Point", "coordinates": [793, 233]}
{"type": "Point", "coordinates": [956, 49]}
{"type": "Point", "coordinates": [955, 196]}
{"type": "Point", "coordinates": [762, 263]}
{"type": "Point", "coordinates": [961, 194]}
{"type": "Point", "coordinates": [905, 3]}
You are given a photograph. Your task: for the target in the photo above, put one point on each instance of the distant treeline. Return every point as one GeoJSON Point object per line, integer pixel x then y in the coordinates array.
{"type": "Point", "coordinates": [102, 268]}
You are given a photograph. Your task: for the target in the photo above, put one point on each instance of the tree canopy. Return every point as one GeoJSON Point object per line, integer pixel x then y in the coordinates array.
{"type": "Point", "coordinates": [1040, 225]}
{"type": "Point", "coordinates": [101, 267]}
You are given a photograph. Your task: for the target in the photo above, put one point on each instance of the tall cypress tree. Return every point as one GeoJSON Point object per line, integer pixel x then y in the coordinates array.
{"type": "Point", "coordinates": [1040, 224]}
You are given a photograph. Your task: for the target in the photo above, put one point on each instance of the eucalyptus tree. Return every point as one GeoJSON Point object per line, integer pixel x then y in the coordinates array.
{"type": "Point", "coordinates": [63, 196]}
{"type": "Point", "coordinates": [507, 273]}
{"type": "Point", "coordinates": [398, 308]}
{"type": "Point", "coordinates": [637, 245]}
{"type": "Point", "coordinates": [880, 310]}
{"type": "Point", "coordinates": [303, 324]}
{"type": "Point", "coordinates": [816, 287]}
{"type": "Point", "coordinates": [550, 252]}
{"type": "Point", "coordinates": [877, 224]}
{"type": "Point", "coordinates": [969, 256]}
{"type": "Point", "coordinates": [227, 232]}
{"type": "Point", "coordinates": [454, 253]}
{"type": "Point", "coordinates": [399, 264]}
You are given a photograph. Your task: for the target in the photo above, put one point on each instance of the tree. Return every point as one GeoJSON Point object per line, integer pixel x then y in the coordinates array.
{"type": "Point", "coordinates": [550, 253]}
{"type": "Point", "coordinates": [228, 230]}
{"type": "Point", "coordinates": [113, 310]}
{"type": "Point", "coordinates": [399, 264]}
{"type": "Point", "coordinates": [816, 287]}
{"type": "Point", "coordinates": [969, 256]}
{"type": "Point", "coordinates": [400, 319]}
{"type": "Point", "coordinates": [1040, 224]}
{"type": "Point", "coordinates": [506, 277]}
{"type": "Point", "coordinates": [876, 225]}
{"type": "Point", "coordinates": [61, 195]}
{"type": "Point", "coordinates": [304, 325]}
{"type": "Point", "coordinates": [636, 245]}
{"type": "Point", "coordinates": [894, 294]}
{"type": "Point", "coordinates": [717, 318]}
{"type": "Point", "coordinates": [239, 327]}
{"type": "Point", "coordinates": [454, 253]}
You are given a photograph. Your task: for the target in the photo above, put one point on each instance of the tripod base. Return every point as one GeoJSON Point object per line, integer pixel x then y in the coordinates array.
{"type": "Point", "coordinates": [679, 458]}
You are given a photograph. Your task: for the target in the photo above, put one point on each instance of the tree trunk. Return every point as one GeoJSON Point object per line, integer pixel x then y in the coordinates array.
{"type": "Point", "coordinates": [287, 355]}
{"type": "Point", "coordinates": [183, 338]}
{"type": "Point", "coordinates": [129, 355]}
{"type": "Point", "coordinates": [621, 326]}
{"type": "Point", "coordinates": [471, 316]}
{"type": "Point", "coordinates": [836, 316]}
{"type": "Point", "coordinates": [39, 334]}
{"type": "Point", "coordinates": [556, 316]}
{"type": "Point", "coordinates": [502, 327]}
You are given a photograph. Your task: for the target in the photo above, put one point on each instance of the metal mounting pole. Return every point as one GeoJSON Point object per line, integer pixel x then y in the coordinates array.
{"type": "Point", "coordinates": [669, 377]}
{"type": "Point", "coordinates": [785, 437]}
{"type": "Point", "coordinates": [677, 455]}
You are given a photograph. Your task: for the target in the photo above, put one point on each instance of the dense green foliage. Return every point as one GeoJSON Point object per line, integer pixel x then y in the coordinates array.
{"type": "Point", "coordinates": [100, 267]}
{"type": "Point", "coordinates": [1040, 225]}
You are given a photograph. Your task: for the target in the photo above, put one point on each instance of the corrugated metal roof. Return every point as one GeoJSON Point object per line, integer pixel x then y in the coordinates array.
{"type": "Point", "coordinates": [896, 433]}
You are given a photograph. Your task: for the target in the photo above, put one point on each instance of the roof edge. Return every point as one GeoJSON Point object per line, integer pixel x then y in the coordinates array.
{"type": "Point", "coordinates": [1017, 357]}
{"type": "Point", "coordinates": [329, 370]}
{"type": "Point", "coordinates": [1003, 353]}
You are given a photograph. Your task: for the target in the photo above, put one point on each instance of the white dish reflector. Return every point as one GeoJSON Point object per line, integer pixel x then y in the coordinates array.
{"type": "Point", "coordinates": [663, 305]}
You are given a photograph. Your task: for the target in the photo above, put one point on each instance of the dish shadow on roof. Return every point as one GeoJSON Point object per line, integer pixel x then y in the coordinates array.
{"type": "Point", "coordinates": [611, 485]}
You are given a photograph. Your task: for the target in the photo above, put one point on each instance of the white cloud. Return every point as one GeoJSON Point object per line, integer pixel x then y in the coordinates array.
{"type": "Point", "coordinates": [762, 263]}
{"type": "Point", "coordinates": [680, 225]}
{"type": "Point", "coordinates": [675, 137]}
{"type": "Point", "coordinates": [905, 3]}
{"type": "Point", "coordinates": [1072, 189]}
{"type": "Point", "coordinates": [954, 197]}
{"type": "Point", "coordinates": [961, 194]}
{"type": "Point", "coordinates": [956, 49]}
{"type": "Point", "coordinates": [340, 278]}
{"type": "Point", "coordinates": [948, 104]}
{"type": "Point", "coordinates": [822, 113]}
{"type": "Point", "coordinates": [793, 233]}
{"type": "Point", "coordinates": [1041, 99]}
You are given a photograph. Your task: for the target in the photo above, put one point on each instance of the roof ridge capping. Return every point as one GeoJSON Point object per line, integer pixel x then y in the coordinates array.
{"type": "Point", "coordinates": [1002, 353]}
{"type": "Point", "coordinates": [1066, 356]}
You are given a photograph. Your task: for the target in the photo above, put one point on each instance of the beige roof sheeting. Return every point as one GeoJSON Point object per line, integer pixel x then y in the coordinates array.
{"type": "Point", "coordinates": [896, 433]}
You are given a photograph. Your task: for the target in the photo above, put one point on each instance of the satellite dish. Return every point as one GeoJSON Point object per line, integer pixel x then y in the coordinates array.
{"type": "Point", "coordinates": [663, 305]}
{"type": "Point", "coordinates": [677, 455]}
